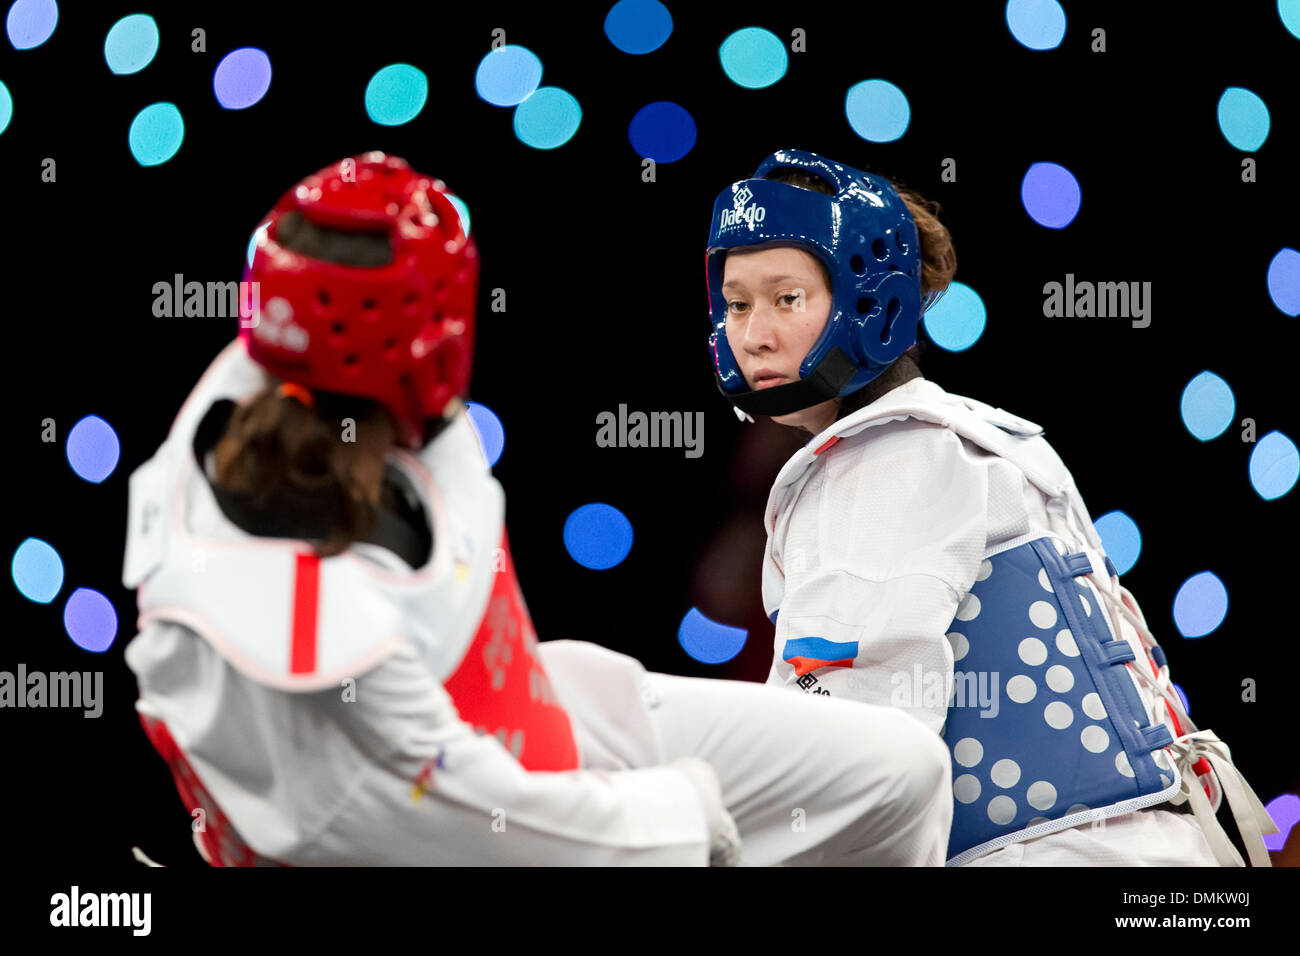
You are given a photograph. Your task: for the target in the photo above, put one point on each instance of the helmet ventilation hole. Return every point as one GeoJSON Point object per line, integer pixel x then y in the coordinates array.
{"type": "Point", "coordinates": [322, 297]}
{"type": "Point", "coordinates": [337, 328]}
{"type": "Point", "coordinates": [866, 304]}
{"type": "Point", "coordinates": [879, 250]}
{"type": "Point", "coordinates": [898, 241]}
{"type": "Point", "coordinates": [893, 267]}
{"type": "Point", "coordinates": [891, 313]}
{"type": "Point", "coordinates": [858, 264]}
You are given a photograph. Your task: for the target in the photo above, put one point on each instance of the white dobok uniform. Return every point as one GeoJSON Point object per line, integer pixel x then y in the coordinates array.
{"type": "Point", "coordinates": [878, 529]}
{"type": "Point", "coordinates": [354, 710]}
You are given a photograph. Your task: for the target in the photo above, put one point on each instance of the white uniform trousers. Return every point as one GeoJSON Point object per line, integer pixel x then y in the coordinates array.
{"type": "Point", "coordinates": [809, 780]}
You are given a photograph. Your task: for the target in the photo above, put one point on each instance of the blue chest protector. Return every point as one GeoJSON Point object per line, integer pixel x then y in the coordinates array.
{"type": "Point", "coordinates": [1065, 737]}
{"type": "Point", "coordinates": [1070, 740]}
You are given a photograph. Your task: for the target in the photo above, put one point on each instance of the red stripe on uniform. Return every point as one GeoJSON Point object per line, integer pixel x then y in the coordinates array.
{"type": "Point", "coordinates": [827, 444]}
{"type": "Point", "coordinates": [306, 598]}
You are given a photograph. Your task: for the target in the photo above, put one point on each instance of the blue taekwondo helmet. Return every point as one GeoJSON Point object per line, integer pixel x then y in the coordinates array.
{"type": "Point", "coordinates": [867, 240]}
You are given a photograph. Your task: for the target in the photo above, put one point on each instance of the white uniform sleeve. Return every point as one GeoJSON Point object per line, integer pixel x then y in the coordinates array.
{"type": "Point", "coordinates": [893, 532]}
{"type": "Point", "coordinates": [896, 631]}
{"type": "Point", "coordinates": [317, 779]}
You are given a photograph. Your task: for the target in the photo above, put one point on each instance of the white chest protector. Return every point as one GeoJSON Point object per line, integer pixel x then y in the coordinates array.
{"type": "Point", "coordinates": [290, 619]}
{"type": "Point", "coordinates": [1088, 726]}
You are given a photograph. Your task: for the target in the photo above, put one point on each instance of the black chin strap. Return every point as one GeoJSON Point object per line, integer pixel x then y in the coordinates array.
{"type": "Point", "coordinates": [831, 374]}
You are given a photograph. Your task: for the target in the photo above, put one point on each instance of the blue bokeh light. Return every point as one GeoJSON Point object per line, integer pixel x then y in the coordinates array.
{"type": "Point", "coordinates": [1207, 406]}
{"type": "Point", "coordinates": [547, 119]}
{"type": "Point", "coordinates": [1051, 195]}
{"type": "Point", "coordinates": [1283, 279]}
{"type": "Point", "coordinates": [877, 110]}
{"type": "Point", "coordinates": [956, 320]}
{"type": "Point", "coordinates": [508, 75]}
{"type": "Point", "coordinates": [1200, 605]}
{"type": "Point", "coordinates": [396, 94]}
{"type": "Point", "coordinates": [491, 433]}
{"type": "Point", "coordinates": [6, 107]}
{"type": "Point", "coordinates": [1274, 466]}
{"type": "Point", "coordinates": [753, 58]}
{"type": "Point", "coordinates": [1120, 539]}
{"type": "Point", "coordinates": [597, 536]}
{"type": "Point", "coordinates": [93, 449]}
{"type": "Point", "coordinates": [156, 134]}
{"type": "Point", "coordinates": [30, 22]}
{"type": "Point", "coordinates": [662, 131]}
{"type": "Point", "coordinates": [37, 571]}
{"type": "Point", "coordinates": [1182, 697]}
{"type": "Point", "coordinates": [131, 44]}
{"type": "Point", "coordinates": [708, 641]}
{"type": "Point", "coordinates": [1036, 24]}
{"type": "Point", "coordinates": [242, 78]}
{"type": "Point", "coordinates": [638, 26]}
{"type": "Point", "coordinates": [1243, 118]}
{"type": "Point", "coordinates": [90, 620]}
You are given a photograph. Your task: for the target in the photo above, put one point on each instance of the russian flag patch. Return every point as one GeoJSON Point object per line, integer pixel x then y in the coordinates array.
{"type": "Point", "coordinates": [809, 653]}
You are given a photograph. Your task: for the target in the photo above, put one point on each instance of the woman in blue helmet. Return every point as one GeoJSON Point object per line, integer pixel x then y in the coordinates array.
{"type": "Point", "coordinates": [930, 552]}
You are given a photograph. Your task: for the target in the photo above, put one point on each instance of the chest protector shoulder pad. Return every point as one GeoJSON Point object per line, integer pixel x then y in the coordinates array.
{"type": "Point", "coordinates": [290, 619]}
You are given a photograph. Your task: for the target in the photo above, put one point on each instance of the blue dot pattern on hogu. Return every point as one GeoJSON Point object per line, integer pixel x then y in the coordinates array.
{"type": "Point", "coordinates": [1070, 732]}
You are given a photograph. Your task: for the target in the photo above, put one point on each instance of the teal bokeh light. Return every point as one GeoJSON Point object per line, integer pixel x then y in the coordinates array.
{"type": "Point", "coordinates": [1243, 118]}
{"type": "Point", "coordinates": [396, 94]}
{"type": "Point", "coordinates": [547, 119]}
{"type": "Point", "coordinates": [156, 134]}
{"type": "Point", "coordinates": [131, 44]}
{"type": "Point", "coordinates": [753, 58]}
{"type": "Point", "coordinates": [956, 321]}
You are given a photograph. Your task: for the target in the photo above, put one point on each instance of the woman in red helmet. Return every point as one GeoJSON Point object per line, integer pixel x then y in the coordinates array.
{"type": "Point", "coordinates": [334, 656]}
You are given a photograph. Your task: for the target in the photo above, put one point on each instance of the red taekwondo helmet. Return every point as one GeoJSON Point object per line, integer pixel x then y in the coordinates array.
{"type": "Point", "coordinates": [398, 329]}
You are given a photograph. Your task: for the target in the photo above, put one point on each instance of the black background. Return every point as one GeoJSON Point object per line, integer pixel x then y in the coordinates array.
{"type": "Point", "coordinates": [606, 304]}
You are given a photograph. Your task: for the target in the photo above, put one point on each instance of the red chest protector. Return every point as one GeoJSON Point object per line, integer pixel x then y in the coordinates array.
{"type": "Point", "coordinates": [501, 687]}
